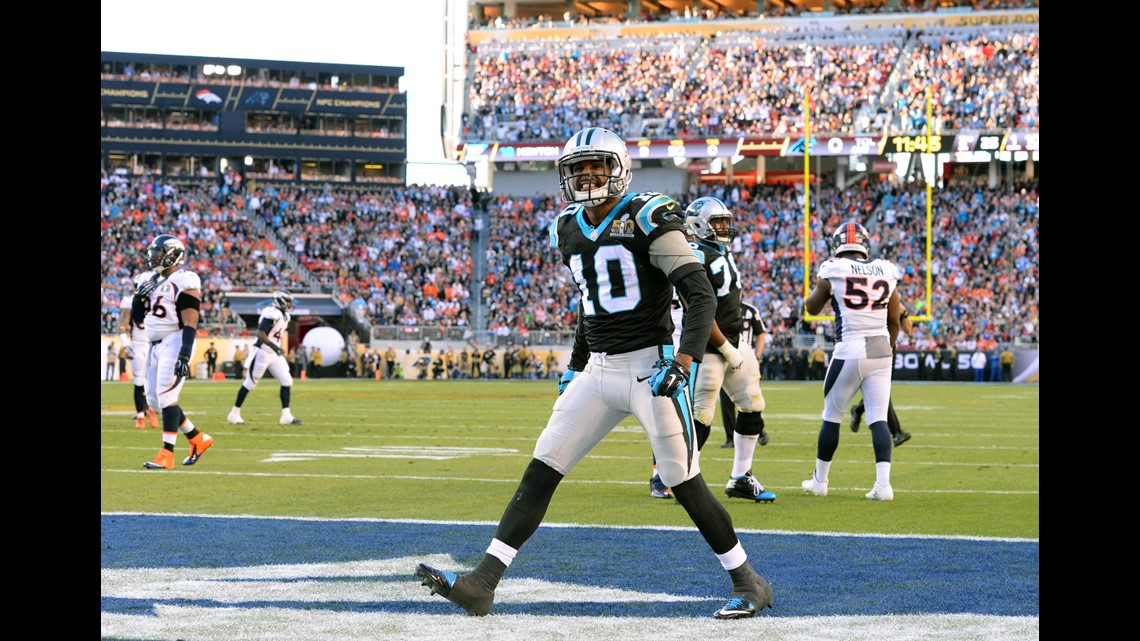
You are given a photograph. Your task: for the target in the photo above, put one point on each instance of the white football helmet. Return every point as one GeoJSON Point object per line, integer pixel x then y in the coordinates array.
{"type": "Point", "coordinates": [165, 251]}
{"type": "Point", "coordinates": [709, 219]}
{"type": "Point", "coordinates": [594, 143]}
{"type": "Point", "coordinates": [283, 301]}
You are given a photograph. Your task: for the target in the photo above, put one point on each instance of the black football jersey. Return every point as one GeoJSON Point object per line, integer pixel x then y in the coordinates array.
{"type": "Point", "coordinates": [625, 299]}
{"type": "Point", "coordinates": [725, 278]}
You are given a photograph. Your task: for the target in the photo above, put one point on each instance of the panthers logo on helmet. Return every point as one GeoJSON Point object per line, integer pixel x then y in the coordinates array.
{"type": "Point", "coordinates": [851, 237]}
{"type": "Point", "coordinates": [700, 216]}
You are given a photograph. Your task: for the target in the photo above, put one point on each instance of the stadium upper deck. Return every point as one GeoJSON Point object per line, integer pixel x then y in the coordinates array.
{"type": "Point", "coordinates": [731, 84]}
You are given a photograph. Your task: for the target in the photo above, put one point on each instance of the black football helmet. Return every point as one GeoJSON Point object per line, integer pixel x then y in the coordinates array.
{"type": "Point", "coordinates": [283, 301]}
{"type": "Point", "coordinates": [851, 237]}
{"type": "Point", "coordinates": [700, 216]}
{"type": "Point", "coordinates": [164, 252]}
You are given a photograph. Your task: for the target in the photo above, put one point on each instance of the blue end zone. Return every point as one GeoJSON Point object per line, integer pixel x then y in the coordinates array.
{"type": "Point", "coordinates": [811, 575]}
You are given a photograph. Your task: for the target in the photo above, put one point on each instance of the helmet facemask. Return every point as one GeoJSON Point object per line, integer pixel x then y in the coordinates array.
{"type": "Point", "coordinates": [708, 219]}
{"type": "Point", "coordinates": [612, 166]}
{"type": "Point", "coordinates": [581, 186]}
{"type": "Point", "coordinates": [283, 301]}
{"type": "Point", "coordinates": [165, 252]}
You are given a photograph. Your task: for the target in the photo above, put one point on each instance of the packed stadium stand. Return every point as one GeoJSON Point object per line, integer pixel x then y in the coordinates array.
{"type": "Point", "coordinates": [472, 265]}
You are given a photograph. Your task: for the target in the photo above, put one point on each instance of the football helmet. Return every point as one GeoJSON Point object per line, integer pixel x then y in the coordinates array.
{"type": "Point", "coordinates": [164, 252]}
{"type": "Point", "coordinates": [283, 301]}
{"type": "Point", "coordinates": [594, 143]}
{"type": "Point", "coordinates": [708, 219]}
{"type": "Point", "coordinates": [851, 237]}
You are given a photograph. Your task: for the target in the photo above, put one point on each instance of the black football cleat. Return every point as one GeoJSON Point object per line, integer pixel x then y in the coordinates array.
{"type": "Point", "coordinates": [459, 589]}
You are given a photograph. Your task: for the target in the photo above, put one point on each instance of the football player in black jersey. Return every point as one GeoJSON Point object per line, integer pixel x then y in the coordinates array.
{"type": "Point", "coordinates": [626, 252]}
{"type": "Point", "coordinates": [737, 371]}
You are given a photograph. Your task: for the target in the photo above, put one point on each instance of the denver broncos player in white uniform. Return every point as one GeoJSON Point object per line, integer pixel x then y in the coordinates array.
{"type": "Point", "coordinates": [709, 223]}
{"type": "Point", "coordinates": [172, 297]}
{"type": "Point", "coordinates": [267, 355]}
{"type": "Point", "coordinates": [626, 252]}
{"type": "Point", "coordinates": [864, 296]}
{"type": "Point", "coordinates": [132, 334]}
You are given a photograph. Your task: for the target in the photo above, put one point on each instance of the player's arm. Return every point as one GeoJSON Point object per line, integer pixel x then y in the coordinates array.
{"type": "Point", "coordinates": [140, 305]}
{"type": "Point", "coordinates": [125, 331]}
{"type": "Point", "coordinates": [263, 328]}
{"type": "Point", "coordinates": [188, 303]}
{"type": "Point", "coordinates": [580, 353]}
{"type": "Point", "coordinates": [671, 253]}
{"type": "Point", "coordinates": [730, 352]}
{"type": "Point", "coordinates": [761, 334]}
{"type": "Point", "coordinates": [894, 315]}
{"type": "Point", "coordinates": [819, 296]}
{"type": "Point", "coordinates": [905, 324]}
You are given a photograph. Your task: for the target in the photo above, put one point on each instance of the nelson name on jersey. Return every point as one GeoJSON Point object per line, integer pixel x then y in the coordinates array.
{"type": "Point", "coordinates": [867, 270]}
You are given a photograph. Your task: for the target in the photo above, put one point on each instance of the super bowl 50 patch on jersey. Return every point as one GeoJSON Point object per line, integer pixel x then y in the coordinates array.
{"type": "Point", "coordinates": [622, 228]}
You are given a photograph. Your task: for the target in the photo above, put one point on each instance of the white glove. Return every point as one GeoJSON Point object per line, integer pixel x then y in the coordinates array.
{"type": "Point", "coordinates": [129, 353]}
{"type": "Point", "coordinates": [732, 355]}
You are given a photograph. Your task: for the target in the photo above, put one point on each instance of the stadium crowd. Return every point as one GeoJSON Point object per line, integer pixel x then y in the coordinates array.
{"type": "Point", "coordinates": [746, 83]}
{"type": "Point", "coordinates": [405, 256]}
{"type": "Point", "coordinates": [698, 11]}
{"type": "Point", "coordinates": [222, 244]}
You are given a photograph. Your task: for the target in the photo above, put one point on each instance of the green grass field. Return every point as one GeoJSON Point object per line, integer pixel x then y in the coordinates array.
{"type": "Point", "coordinates": [454, 450]}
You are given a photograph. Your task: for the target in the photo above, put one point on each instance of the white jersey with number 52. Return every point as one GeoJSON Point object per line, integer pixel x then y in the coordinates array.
{"type": "Point", "coordinates": [860, 290]}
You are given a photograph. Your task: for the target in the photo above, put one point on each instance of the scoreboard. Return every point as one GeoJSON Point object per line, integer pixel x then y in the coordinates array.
{"type": "Point", "coordinates": [964, 141]}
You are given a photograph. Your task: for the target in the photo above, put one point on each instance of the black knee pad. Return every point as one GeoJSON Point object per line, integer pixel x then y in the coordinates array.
{"type": "Point", "coordinates": [749, 423]}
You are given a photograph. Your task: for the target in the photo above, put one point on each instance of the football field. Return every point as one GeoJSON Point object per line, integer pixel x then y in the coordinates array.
{"type": "Point", "coordinates": [313, 531]}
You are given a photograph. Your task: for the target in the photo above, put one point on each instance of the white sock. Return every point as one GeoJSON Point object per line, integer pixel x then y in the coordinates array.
{"type": "Point", "coordinates": [743, 448]}
{"type": "Point", "coordinates": [502, 551]}
{"type": "Point", "coordinates": [883, 473]}
{"type": "Point", "coordinates": [734, 558]}
{"type": "Point", "coordinates": [822, 468]}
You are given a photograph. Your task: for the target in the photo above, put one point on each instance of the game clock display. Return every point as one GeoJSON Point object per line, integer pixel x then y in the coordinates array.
{"type": "Point", "coordinates": [914, 144]}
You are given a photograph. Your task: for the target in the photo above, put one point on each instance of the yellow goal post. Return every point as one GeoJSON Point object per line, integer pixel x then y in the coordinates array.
{"type": "Point", "coordinates": [807, 216]}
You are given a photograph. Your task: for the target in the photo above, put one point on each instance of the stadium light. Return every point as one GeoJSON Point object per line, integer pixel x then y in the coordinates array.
{"type": "Point", "coordinates": [249, 161]}
{"type": "Point", "coordinates": [233, 70]}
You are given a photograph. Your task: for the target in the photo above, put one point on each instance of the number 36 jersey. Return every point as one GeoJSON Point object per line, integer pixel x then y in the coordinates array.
{"type": "Point", "coordinates": [860, 290]}
{"type": "Point", "coordinates": [163, 318]}
{"type": "Point", "coordinates": [626, 300]}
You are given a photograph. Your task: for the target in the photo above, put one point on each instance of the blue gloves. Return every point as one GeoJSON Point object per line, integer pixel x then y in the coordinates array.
{"type": "Point", "coordinates": [670, 378]}
{"type": "Point", "coordinates": [565, 380]}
